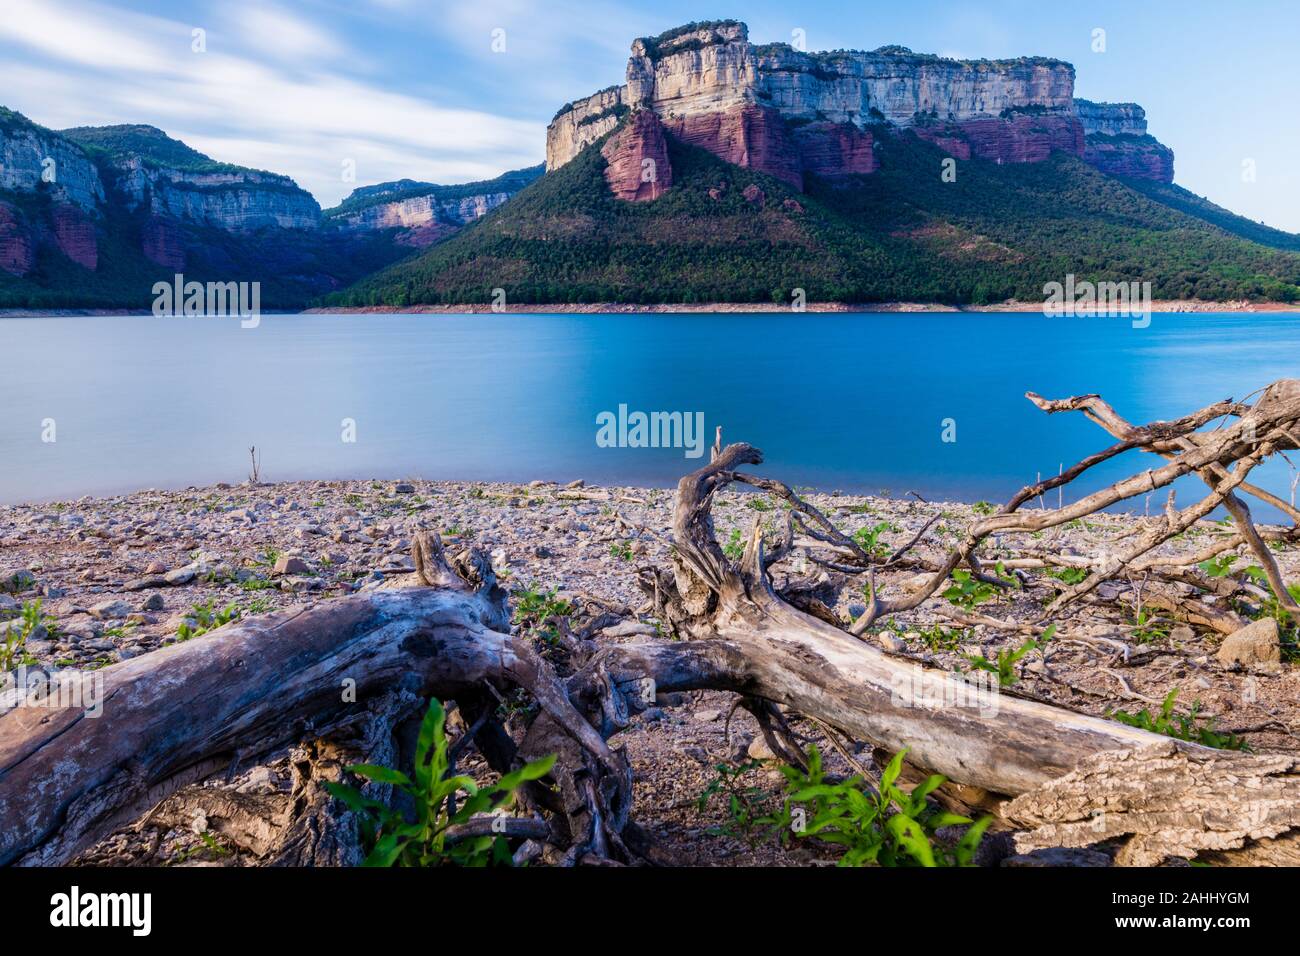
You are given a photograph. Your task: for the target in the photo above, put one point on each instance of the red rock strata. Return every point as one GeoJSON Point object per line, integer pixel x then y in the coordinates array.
{"type": "Point", "coordinates": [75, 233]}
{"type": "Point", "coordinates": [638, 168]}
{"type": "Point", "coordinates": [1131, 158]}
{"type": "Point", "coordinates": [752, 136]}
{"type": "Point", "coordinates": [161, 243]}
{"type": "Point", "coordinates": [1021, 138]}
{"type": "Point", "coordinates": [834, 150]}
{"type": "Point", "coordinates": [17, 251]}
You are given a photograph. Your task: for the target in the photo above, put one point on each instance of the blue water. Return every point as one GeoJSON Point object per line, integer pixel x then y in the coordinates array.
{"type": "Point", "coordinates": [854, 402]}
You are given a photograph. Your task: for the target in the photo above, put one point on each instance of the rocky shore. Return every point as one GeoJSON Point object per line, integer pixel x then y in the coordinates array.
{"type": "Point", "coordinates": [123, 576]}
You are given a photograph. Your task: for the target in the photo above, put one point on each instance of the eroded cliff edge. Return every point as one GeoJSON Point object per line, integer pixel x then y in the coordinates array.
{"type": "Point", "coordinates": [790, 113]}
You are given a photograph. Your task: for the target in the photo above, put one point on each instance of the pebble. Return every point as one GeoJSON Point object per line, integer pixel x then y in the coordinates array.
{"type": "Point", "coordinates": [290, 564]}
{"type": "Point", "coordinates": [108, 610]}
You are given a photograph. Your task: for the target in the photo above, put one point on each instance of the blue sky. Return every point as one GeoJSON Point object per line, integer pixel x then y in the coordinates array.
{"type": "Point", "coordinates": [413, 88]}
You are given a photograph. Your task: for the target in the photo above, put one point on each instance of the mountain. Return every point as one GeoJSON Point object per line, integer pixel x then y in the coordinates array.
{"type": "Point", "coordinates": [722, 171]}
{"type": "Point", "coordinates": [425, 213]}
{"type": "Point", "coordinates": [92, 217]}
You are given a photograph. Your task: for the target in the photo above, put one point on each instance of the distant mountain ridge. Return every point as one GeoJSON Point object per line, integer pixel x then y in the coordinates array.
{"type": "Point", "coordinates": [723, 171]}
{"type": "Point", "coordinates": [93, 216]}
{"type": "Point", "coordinates": [426, 212]}
{"type": "Point", "coordinates": [719, 171]}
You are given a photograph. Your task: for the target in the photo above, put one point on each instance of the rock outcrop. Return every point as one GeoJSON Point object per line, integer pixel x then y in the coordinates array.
{"type": "Point", "coordinates": [792, 113]}
{"type": "Point", "coordinates": [238, 200]}
{"type": "Point", "coordinates": [1018, 137]}
{"type": "Point", "coordinates": [638, 169]}
{"type": "Point", "coordinates": [162, 243]}
{"type": "Point", "coordinates": [425, 213]}
{"type": "Point", "coordinates": [835, 150]}
{"type": "Point", "coordinates": [74, 231]}
{"type": "Point", "coordinates": [147, 168]}
{"type": "Point", "coordinates": [747, 135]}
{"type": "Point", "coordinates": [1117, 142]}
{"type": "Point", "coordinates": [33, 159]}
{"type": "Point", "coordinates": [17, 247]}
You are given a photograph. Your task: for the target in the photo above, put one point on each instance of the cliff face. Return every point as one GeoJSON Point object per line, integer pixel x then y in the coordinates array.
{"type": "Point", "coordinates": [425, 213]}
{"type": "Point", "coordinates": [638, 169]}
{"type": "Point", "coordinates": [421, 211]}
{"type": "Point", "coordinates": [74, 231]}
{"type": "Point", "coordinates": [27, 151]}
{"type": "Point", "coordinates": [1112, 119]}
{"type": "Point", "coordinates": [238, 200]}
{"type": "Point", "coordinates": [162, 243]}
{"type": "Point", "coordinates": [580, 124]}
{"type": "Point", "coordinates": [788, 112]}
{"type": "Point", "coordinates": [17, 248]}
{"type": "Point", "coordinates": [1117, 142]}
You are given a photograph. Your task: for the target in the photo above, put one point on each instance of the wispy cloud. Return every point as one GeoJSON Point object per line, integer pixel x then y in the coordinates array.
{"type": "Point", "coordinates": [297, 111]}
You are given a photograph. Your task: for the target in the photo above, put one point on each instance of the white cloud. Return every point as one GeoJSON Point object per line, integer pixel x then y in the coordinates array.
{"type": "Point", "coordinates": [280, 35]}
{"type": "Point", "coordinates": [116, 67]}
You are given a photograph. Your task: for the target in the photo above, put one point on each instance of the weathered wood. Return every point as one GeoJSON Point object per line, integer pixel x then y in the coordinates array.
{"type": "Point", "coordinates": [1169, 802]}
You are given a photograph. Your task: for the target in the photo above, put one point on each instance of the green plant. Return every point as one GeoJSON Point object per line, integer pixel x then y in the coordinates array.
{"type": "Point", "coordinates": [208, 844]}
{"type": "Point", "coordinates": [747, 805]}
{"type": "Point", "coordinates": [1147, 627]}
{"type": "Point", "coordinates": [1005, 663]}
{"type": "Point", "coordinates": [967, 592]}
{"type": "Point", "coordinates": [940, 638]}
{"type": "Point", "coordinates": [1219, 567]}
{"type": "Point", "coordinates": [1190, 726]}
{"type": "Point", "coordinates": [539, 611]}
{"type": "Point", "coordinates": [883, 825]}
{"type": "Point", "coordinates": [621, 549]}
{"type": "Point", "coordinates": [206, 618]}
{"type": "Point", "coordinates": [258, 605]}
{"type": "Point", "coordinates": [869, 538]}
{"type": "Point", "coordinates": [13, 647]}
{"type": "Point", "coordinates": [735, 546]}
{"type": "Point", "coordinates": [983, 507]}
{"type": "Point", "coordinates": [1070, 576]}
{"type": "Point", "coordinates": [441, 801]}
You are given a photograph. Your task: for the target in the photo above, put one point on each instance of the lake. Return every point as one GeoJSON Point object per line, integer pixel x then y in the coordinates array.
{"type": "Point", "coordinates": [838, 401]}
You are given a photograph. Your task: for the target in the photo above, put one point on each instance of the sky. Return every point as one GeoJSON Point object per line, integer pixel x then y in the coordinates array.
{"type": "Point", "coordinates": [458, 91]}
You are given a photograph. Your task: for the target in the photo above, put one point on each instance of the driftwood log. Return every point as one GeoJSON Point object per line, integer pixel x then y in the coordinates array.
{"type": "Point", "coordinates": [339, 680]}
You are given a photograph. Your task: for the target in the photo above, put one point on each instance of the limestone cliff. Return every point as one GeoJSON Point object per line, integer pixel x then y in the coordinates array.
{"type": "Point", "coordinates": [1117, 142]}
{"type": "Point", "coordinates": [425, 212]}
{"type": "Point", "coordinates": [789, 112]}
{"type": "Point", "coordinates": [235, 201]}
{"type": "Point", "coordinates": [148, 168]}
{"type": "Point", "coordinates": [33, 159]}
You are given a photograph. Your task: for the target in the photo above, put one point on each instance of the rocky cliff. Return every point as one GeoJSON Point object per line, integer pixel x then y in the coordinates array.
{"type": "Point", "coordinates": [425, 213]}
{"type": "Point", "coordinates": [33, 159]}
{"type": "Point", "coordinates": [146, 167]}
{"type": "Point", "coordinates": [637, 156]}
{"type": "Point", "coordinates": [1117, 142]}
{"type": "Point", "coordinates": [789, 112]}
{"type": "Point", "coordinates": [17, 248]}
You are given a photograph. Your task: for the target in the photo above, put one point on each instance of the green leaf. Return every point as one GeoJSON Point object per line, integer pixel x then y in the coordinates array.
{"type": "Point", "coordinates": [380, 774]}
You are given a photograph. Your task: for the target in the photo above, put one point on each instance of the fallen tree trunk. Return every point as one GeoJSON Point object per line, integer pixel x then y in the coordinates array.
{"type": "Point", "coordinates": [248, 689]}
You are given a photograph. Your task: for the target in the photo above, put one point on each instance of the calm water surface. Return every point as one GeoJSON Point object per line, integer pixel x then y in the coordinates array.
{"type": "Point", "coordinates": [854, 402]}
